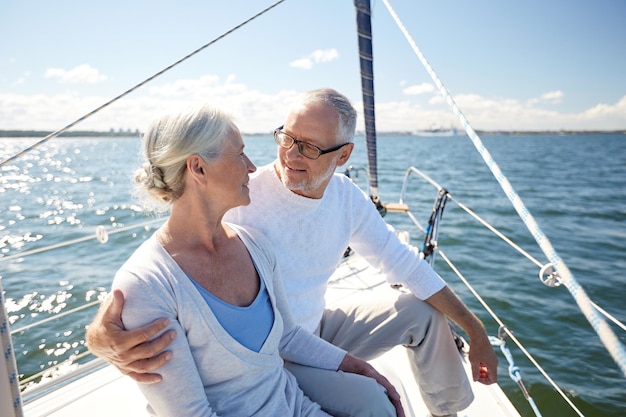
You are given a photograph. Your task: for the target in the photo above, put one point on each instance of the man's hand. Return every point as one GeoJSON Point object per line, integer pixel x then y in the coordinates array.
{"type": "Point", "coordinates": [482, 357]}
{"type": "Point", "coordinates": [483, 360]}
{"type": "Point", "coordinates": [359, 366]}
{"type": "Point", "coordinates": [129, 350]}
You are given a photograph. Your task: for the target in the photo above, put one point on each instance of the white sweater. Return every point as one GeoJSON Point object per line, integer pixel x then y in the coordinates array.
{"type": "Point", "coordinates": [210, 373]}
{"type": "Point", "coordinates": [310, 236]}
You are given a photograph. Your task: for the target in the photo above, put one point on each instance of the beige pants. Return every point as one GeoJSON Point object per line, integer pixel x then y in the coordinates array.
{"type": "Point", "coordinates": [373, 326]}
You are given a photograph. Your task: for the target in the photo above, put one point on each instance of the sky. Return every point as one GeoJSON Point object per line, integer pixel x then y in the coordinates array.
{"type": "Point", "coordinates": [509, 65]}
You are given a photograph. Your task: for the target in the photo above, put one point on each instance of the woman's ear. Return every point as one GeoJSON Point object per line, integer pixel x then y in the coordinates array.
{"type": "Point", "coordinates": [196, 166]}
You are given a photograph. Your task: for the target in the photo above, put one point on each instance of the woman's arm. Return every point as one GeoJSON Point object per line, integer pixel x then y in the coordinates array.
{"type": "Point", "coordinates": [181, 390]}
{"type": "Point", "coordinates": [136, 353]}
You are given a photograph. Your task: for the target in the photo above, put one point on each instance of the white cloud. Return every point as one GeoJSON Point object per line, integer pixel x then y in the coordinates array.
{"type": "Point", "coordinates": [325, 55]}
{"type": "Point", "coordinates": [316, 57]}
{"type": "Point", "coordinates": [495, 114]}
{"type": "Point", "coordinates": [254, 111]}
{"type": "Point", "coordinates": [23, 78]}
{"type": "Point", "coordinates": [511, 114]}
{"type": "Point", "coordinates": [257, 111]}
{"type": "Point", "coordinates": [184, 87]}
{"type": "Point", "coordinates": [302, 63]}
{"type": "Point", "coordinates": [419, 89]}
{"type": "Point", "coordinates": [553, 96]}
{"type": "Point", "coordinates": [82, 74]}
{"type": "Point", "coordinates": [436, 99]}
{"type": "Point", "coordinates": [608, 116]}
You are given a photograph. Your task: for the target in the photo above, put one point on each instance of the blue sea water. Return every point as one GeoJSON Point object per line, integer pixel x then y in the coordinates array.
{"type": "Point", "coordinates": [574, 185]}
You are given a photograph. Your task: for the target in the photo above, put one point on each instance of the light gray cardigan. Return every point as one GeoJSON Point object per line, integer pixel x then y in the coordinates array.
{"type": "Point", "coordinates": [211, 374]}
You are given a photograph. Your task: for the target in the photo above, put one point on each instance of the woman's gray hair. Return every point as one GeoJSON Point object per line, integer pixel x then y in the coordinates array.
{"type": "Point", "coordinates": [347, 113]}
{"type": "Point", "coordinates": [171, 139]}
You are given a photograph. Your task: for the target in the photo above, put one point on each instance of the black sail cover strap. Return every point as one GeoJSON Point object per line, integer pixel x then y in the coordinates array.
{"type": "Point", "coordinates": [364, 32]}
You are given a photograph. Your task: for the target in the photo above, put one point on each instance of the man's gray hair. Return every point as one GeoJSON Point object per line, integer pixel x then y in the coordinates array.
{"type": "Point", "coordinates": [347, 113]}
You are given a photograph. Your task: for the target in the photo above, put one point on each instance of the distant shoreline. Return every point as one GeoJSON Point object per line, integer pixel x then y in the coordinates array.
{"type": "Point", "coordinates": [71, 133]}
{"type": "Point", "coordinates": [126, 134]}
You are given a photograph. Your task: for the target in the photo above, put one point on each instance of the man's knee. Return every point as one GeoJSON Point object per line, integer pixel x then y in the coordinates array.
{"type": "Point", "coordinates": [408, 304]}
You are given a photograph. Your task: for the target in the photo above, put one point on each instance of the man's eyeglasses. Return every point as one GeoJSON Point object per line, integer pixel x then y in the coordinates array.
{"type": "Point", "coordinates": [306, 149]}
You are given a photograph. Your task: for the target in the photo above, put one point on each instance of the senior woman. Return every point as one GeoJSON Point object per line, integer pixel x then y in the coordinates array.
{"type": "Point", "coordinates": [217, 283]}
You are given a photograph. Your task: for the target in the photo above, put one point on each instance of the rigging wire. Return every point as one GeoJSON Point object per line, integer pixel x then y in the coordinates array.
{"type": "Point", "coordinates": [503, 329]}
{"type": "Point", "coordinates": [526, 254]}
{"type": "Point", "coordinates": [56, 316]}
{"type": "Point", "coordinates": [136, 86]}
{"type": "Point", "coordinates": [93, 236]}
{"type": "Point", "coordinates": [47, 373]}
{"type": "Point", "coordinates": [487, 225]}
{"type": "Point", "coordinates": [507, 331]}
{"type": "Point", "coordinates": [486, 306]}
{"type": "Point", "coordinates": [606, 335]}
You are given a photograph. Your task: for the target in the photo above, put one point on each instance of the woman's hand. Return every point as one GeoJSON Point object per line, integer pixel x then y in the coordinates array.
{"type": "Point", "coordinates": [359, 366]}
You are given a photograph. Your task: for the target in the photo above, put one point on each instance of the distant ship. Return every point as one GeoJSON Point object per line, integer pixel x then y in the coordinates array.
{"type": "Point", "coordinates": [437, 131]}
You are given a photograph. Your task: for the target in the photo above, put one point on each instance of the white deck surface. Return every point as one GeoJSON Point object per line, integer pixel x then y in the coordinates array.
{"type": "Point", "coordinates": [106, 392]}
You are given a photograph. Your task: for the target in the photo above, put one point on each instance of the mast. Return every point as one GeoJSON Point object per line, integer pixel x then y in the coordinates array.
{"type": "Point", "coordinates": [364, 32]}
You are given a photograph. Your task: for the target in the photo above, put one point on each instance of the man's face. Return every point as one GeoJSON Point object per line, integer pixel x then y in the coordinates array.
{"type": "Point", "coordinates": [316, 124]}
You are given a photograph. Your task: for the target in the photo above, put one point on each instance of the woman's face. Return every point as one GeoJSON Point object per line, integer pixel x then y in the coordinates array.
{"type": "Point", "coordinates": [229, 173]}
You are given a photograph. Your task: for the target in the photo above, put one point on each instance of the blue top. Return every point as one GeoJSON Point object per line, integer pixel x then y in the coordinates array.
{"type": "Point", "coordinates": [249, 325]}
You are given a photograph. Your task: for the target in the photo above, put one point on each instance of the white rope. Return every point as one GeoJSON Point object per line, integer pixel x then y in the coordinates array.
{"type": "Point", "coordinates": [514, 371]}
{"type": "Point", "coordinates": [9, 393]}
{"type": "Point", "coordinates": [608, 338]}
